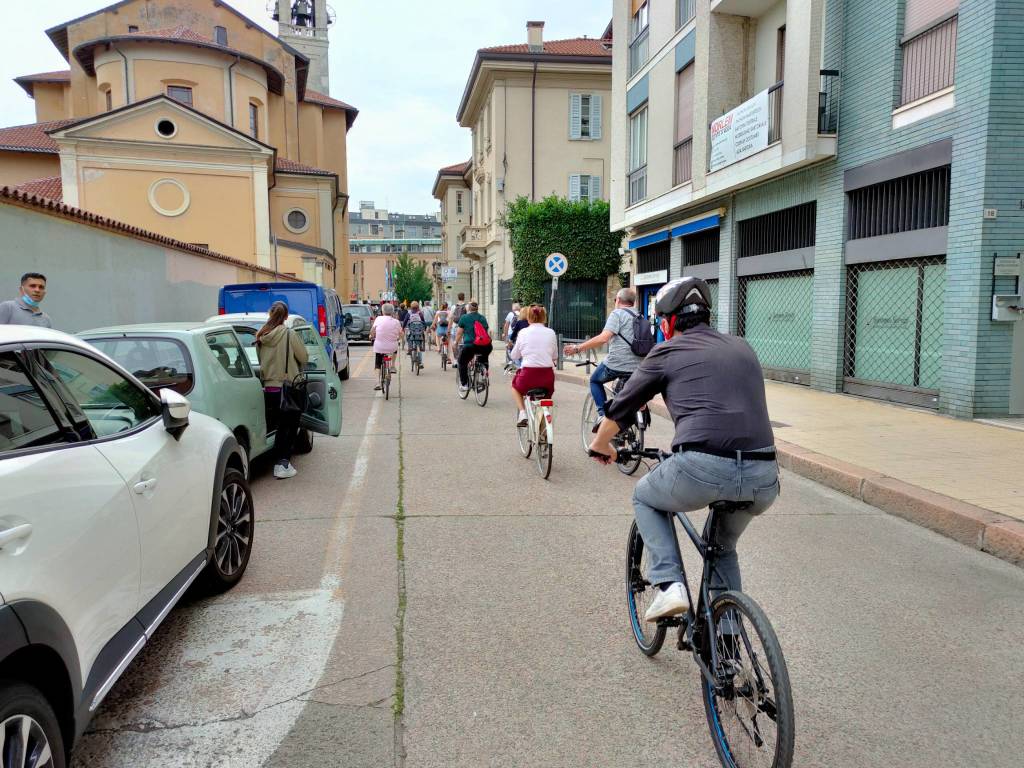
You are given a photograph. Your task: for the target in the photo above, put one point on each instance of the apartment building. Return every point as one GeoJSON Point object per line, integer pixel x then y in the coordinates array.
{"type": "Point", "coordinates": [537, 112]}
{"type": "Point", "coordinates": [187, 119]}
{"type": "Point", "coordinates": [843, 175]}
{"type": "Point", "coordinates": [378, 237]}
{"type": "Point", "coordinates": [453, 190]}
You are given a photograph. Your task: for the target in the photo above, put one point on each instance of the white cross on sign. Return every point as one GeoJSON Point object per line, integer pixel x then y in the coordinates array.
{"type": "Point", "coordinates": [556, 264]}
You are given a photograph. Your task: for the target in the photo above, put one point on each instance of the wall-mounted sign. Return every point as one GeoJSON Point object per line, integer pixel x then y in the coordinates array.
{"type": "Point", "coordinates": [449, 273]}
{"type": "Point", "coordinates": [651, 278]}
{"type": "Point", "coordinates": [740, 133]}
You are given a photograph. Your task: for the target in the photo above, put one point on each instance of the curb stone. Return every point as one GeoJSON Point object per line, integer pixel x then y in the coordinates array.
{"type": "Point", "coordinates": [983, 529]}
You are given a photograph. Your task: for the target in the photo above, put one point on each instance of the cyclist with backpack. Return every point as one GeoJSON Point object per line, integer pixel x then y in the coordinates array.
{"type": "Point", "coordinates": [439, 327]}
{"type": "Point", "coordinates": [629, 338]}
{"type": "Point", "coordinates": [474, 334]}
{"type": "Point", "coordinates": [415, 327]}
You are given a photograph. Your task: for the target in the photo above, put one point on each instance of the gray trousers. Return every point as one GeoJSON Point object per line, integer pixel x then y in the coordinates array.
{"type": "Point", "coordinates": [690, 481]}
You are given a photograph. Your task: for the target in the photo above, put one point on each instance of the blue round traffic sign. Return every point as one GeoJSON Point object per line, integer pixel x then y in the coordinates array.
{"type": "Point", "coordinates": [556, 264]}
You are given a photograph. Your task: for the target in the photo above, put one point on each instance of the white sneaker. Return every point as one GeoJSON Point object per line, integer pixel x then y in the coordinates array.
{"type": "Point", "coordinates": [463, 389]}
{"type": "Point", "coordinates": [523, 420]}
{"type": "Point", "coordinates": [284, 471]}
{"type": "Point", "coordinates": [670, 602]}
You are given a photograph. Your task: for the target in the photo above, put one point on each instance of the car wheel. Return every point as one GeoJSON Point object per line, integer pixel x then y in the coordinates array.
{"type": "Point", "coordinates": [304, 441]}
{"type": "Point", "coordinates": [233, 541]}
{"type": "Point", "coordinates": [29, 733]}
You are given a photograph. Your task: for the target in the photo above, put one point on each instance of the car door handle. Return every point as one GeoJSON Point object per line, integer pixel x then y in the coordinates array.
{"type": "Point", "coordinates": [145, 485]}
{"type": "Point", "coordinates": [15, 533]}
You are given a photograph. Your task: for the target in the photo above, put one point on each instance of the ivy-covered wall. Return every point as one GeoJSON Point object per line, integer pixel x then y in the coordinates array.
{"type": "Point", "coordinates": [577, 230]}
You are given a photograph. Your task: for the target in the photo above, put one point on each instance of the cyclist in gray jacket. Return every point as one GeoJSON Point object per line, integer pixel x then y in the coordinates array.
{"type": "Point", "coordinates": [723, 448]}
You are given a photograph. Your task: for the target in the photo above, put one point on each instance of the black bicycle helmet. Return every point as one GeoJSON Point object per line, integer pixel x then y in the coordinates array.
{"type": "Point", "coordinates": [682, 296]}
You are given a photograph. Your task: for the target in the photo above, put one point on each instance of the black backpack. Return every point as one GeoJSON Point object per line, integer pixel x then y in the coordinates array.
{"type": "Point", "coordinates": [643, 335]}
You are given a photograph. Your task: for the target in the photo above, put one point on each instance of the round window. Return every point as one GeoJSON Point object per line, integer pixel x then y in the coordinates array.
{"type": "Point", "coordinates": [296, 220]}
{"type": "Point", "coordinates": [166, 128]}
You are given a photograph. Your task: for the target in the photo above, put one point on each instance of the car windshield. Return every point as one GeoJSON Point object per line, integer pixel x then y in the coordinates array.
{"type": "Point", "coordinates": [358, 309]}
{"type": "Point", "coordinates": [309, 337]}
{"type": "Point", "coordinates": [157, 363]}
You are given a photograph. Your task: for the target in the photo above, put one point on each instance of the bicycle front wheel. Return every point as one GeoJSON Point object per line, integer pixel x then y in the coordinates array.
{"type": "Point", "coordinates": [543, 455]}
{"type": "Point", "coordinates": [633, 441]}
{"type": "Point", "coordinates": [523, 436]}
{"type": "Point", "coordinates": [482, 386]}
{"type": "Point", "coordinates": [639, 595]}
{"type": "Point", "coordinates": [751, 716]}
{"type": "Point", "coordinates": [587, 421]}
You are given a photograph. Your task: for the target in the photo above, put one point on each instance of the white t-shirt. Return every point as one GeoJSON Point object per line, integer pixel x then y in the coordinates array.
{"type": "Point", "coordinates": [537, 346]}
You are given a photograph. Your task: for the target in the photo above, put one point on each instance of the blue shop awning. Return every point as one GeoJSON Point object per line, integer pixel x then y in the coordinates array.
{"type": "Point", "coordinates": [657, 237]}
{"type": "Point", "coordinates": [708, 222]}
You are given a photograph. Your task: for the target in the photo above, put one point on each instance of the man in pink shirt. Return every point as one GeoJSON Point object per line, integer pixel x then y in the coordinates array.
{"type": "Point", "coordinates": [384, 334]}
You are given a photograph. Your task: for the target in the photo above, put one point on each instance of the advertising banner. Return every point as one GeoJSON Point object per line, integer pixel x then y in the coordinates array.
{"type": "Point", "coordinates": [740, 133]}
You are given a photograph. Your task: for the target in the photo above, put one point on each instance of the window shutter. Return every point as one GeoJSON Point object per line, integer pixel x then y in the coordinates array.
{"type": "Point", "coordinates": [920, 14]}
{"type": "Point", "coordinates": [684, 104]}
{"type": "Point", "coordinates": [595, 116]}
{"type": "Point", "coordinates": [595, 188]}
{"type": "Point", "coordinates": [574, 188]}
{"type": "Point", "coordinates": [575, 113]}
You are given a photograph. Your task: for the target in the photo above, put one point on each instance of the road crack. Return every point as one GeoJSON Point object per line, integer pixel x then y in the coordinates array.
{"type": "Point", "coordinates": [398, 705]}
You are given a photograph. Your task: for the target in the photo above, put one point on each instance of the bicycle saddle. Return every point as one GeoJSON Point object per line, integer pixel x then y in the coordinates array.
{"type": "Point", "coordinates": [537, 392]}
{"type": "Point", "coordinates": [730, 506]}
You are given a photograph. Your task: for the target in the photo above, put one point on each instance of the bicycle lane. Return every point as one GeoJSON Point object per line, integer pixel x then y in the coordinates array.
{"type": "Point", "coordinates": [517, 650]}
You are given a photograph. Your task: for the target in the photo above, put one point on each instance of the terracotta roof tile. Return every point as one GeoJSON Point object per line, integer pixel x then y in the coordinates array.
{"type": "Point", "coordinates": [49, 187]}
{"type": "Point", "coordinates": [459, 168]}
{"type": "Point", "coordinates": [31, 137]}
{"type": "Point", "coordinates": [284, 165]}
{"type": "Point", "coordinates": [176, 33]}
{"type": "Point", "coordinates": [576, 46]}
{"type": "Point", "coordinates": [56, 208]}
{"type": "Point", "coordinates": [327, 101]}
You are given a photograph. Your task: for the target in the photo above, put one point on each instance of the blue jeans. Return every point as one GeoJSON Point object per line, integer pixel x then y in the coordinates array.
{"type": "Point", "coordinates": [687, 482]}
{"type": "Point", "coordinates": [602, 375]}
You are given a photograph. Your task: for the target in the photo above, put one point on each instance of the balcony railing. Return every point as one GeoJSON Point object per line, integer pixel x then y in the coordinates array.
{"type": "Point", "coordinates": [775, 113]}
{"type": "Point", "coordinates": [638, 184]}
{"type": "Point", "coordinates": [685, 10]}
{"type": "Point", "coordinates": [828, 101]}
{"type": "Point", "coordinates": [638, 52]}
{"type": "Point", "coordinates": [472, 236]}
{"type": "Point", "coordinates": [683, 161]}
{"type": "Point", "coordinates": [929, 61]}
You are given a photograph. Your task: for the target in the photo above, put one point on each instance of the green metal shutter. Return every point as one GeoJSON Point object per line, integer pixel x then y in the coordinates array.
{"type": "Point", "coordinates": [775, 318]}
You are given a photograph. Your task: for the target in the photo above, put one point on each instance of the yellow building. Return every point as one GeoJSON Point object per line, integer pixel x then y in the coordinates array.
{"type": "Point", "coordinates": [185, 118]}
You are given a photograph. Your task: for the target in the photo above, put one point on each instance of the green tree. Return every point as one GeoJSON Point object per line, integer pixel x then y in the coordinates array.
{"type": "Point", "coordinates": [412, 283]}
{"type": "Point", "coordinates": [579, 230]}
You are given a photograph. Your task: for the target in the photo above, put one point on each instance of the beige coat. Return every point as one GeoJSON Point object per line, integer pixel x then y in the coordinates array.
{"type": "Point", "coordinates": [274, 359]}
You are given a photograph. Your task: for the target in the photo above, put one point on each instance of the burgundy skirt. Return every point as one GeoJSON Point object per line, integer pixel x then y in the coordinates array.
{"type": "Point", "coordinates": [534, 378]}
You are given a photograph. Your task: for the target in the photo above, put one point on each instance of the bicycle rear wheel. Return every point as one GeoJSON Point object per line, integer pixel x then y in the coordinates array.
{"type": "Point", "coordinates": [639, 595]}
{"type": "Point", "coordinates": [543, 455]}
{"type": "Point", "coordinates": [481, 385]}
{"type": "Point", "coordinates": [587, 421]}
{"type": "Point", "coordinates": [751, 719]}
{"type": "Point", "coordinates": [387, 383]}
{"type": "Point", "coordinates": [523, 436]}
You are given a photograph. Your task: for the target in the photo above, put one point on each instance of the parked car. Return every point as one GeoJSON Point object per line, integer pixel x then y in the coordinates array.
{"type": "Point", "coordinates": [210, 364]}
{"type": "Point", "coordinates": [358, 321]}
{"type": "Point", "coordinates": [113, 501]}
{"type": "Point", "coordinates": [320, 306]}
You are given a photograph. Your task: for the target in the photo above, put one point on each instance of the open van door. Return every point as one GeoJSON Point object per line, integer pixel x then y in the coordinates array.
{"type": "Point", "coordinates": [323, 406]}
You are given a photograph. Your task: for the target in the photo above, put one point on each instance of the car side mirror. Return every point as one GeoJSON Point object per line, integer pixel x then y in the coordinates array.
{"type": "Point", "coordinates": [175, 408]}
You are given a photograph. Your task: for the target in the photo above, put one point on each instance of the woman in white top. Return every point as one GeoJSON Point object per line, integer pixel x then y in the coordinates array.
{"type": "Point", "coordinates": [537, 346]}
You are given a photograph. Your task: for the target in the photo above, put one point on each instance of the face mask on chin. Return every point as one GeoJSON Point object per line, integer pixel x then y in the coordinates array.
{"type": "Point", "coordinates": [29, 300]}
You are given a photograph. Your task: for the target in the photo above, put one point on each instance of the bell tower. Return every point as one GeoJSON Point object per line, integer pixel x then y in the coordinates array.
{"type": "Point", "coordinates": [303, 25]}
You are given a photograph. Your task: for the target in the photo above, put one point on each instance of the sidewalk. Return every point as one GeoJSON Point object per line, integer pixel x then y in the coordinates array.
{"type": "Point", "coordinates": [962, 479]}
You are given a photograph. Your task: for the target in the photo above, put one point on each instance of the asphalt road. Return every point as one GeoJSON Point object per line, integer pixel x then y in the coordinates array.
{"type": "Point", "coordinates": [417, 565]}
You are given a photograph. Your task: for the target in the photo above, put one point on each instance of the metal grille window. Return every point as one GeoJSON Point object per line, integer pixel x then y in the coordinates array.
{"type": "Point", "coordinates": [783, 230]}
{"type": "Point", "coordinates": [579, 308]}
{"type": "Point", "coordinates": [653, 258]}
{"type": "Point", "coordinates": [713, 286]}
{"type": "Point", "coordinates": [918, 201]}
{"type": "Point", "coordinates": [775, 314]}
{"type": "Point", "coordinates": [828, 101]}
{"type": "Point", "coordinates": [701, 247]}
{"type": "Point", "coordinates": [894, 313]}
{"type": "Point", "coordinates": [929, 61]}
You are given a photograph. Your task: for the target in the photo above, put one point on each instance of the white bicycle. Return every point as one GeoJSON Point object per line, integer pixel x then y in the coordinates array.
{"type": "Point", "coordinates": [537, 437]}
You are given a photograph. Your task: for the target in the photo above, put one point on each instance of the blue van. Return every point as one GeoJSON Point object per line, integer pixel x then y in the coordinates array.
{"type": "Point", "coordinates": [320, 306]}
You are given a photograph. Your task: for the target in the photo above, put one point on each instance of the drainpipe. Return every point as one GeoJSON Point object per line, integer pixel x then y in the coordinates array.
{"type": "Point", "coordinates": [533, 135]}
{"type": "Point", "coordinates": [127, 95]}
{"type": "Point", "coordinates": [231, 92]}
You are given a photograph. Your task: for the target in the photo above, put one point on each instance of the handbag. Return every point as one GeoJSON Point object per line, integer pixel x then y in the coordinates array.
{"type": "Point", "coordinates": [293, 398]}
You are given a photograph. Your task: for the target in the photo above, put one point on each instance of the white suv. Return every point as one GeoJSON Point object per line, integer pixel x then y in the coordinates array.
{"type": "Point", "coordinates": [112, 502]}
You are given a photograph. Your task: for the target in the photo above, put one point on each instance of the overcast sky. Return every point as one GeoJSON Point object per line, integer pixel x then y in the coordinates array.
{"type": "Point", "coordinates": [402, 63]}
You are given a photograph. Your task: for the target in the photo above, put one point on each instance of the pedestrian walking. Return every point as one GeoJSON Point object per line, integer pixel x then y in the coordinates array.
{"type": "Point", "coordinates": [282, 357]}
{"type": "Point", "coordinates": [25, 310]}
{"type": "Point", "coordinates": [510, 320]}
